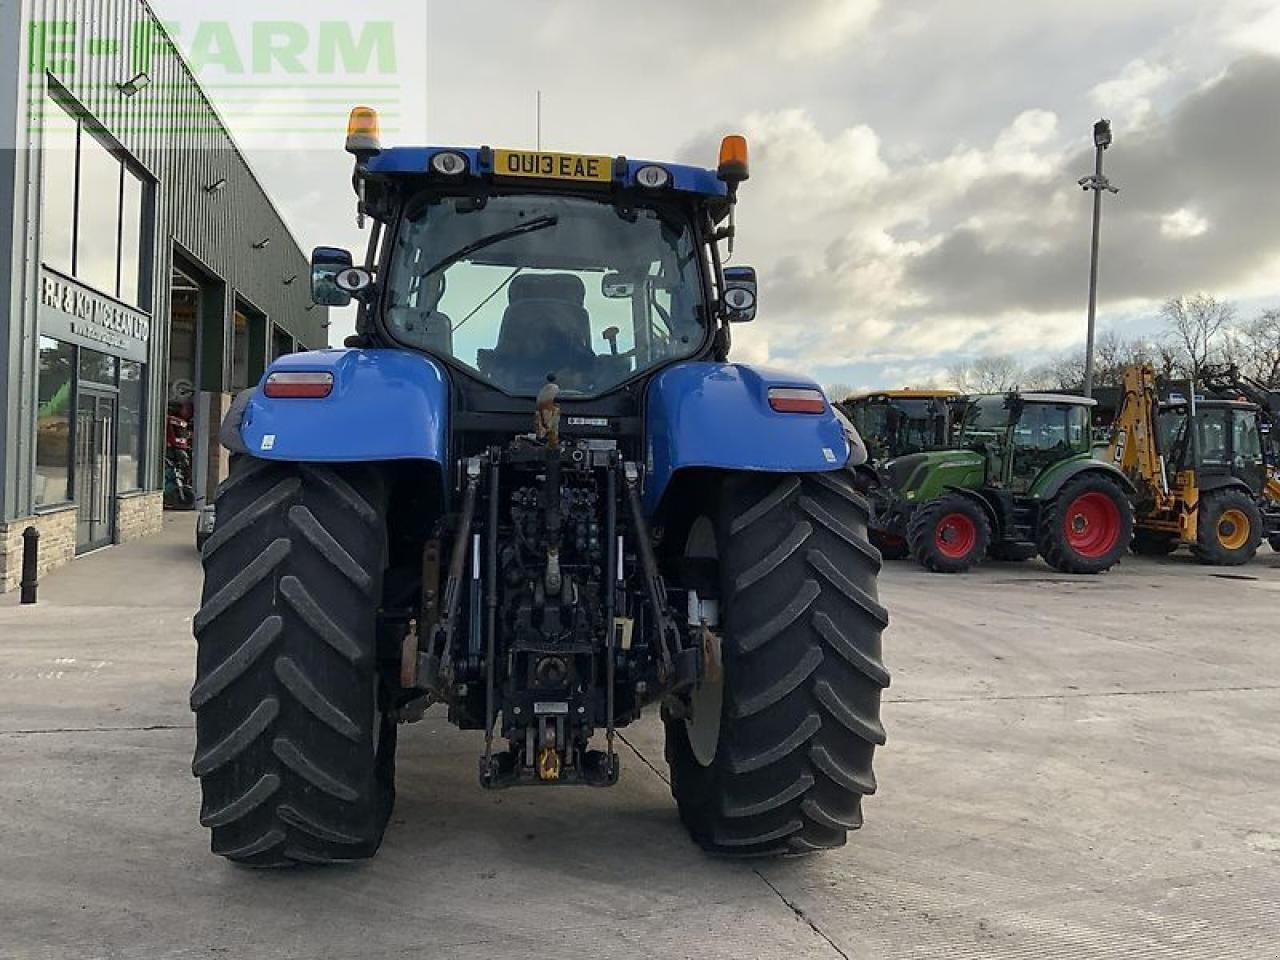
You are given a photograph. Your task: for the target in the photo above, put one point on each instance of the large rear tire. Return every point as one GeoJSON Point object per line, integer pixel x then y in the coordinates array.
{"type": "Point", "coordinates": [1229, 529]}
{"type": "Point", "coordinates": [1087, 527]}
{"type": "Point", "coordinates": [781, 763]}
{"type": "Point", "coordinates": [294, 750]}
{"type": "Point", "coordinates": [949, 535]}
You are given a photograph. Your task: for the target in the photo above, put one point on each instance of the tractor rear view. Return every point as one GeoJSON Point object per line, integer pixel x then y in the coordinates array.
{"type": "Point", "coordinates": [1020, 480]}
{"type": "Point", "coordinates": [1203, 471]}
{"type": "Point", "coordinates": [534, 493]}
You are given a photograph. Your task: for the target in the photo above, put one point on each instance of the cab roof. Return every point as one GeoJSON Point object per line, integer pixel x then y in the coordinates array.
{"type": "Point", "coordinates": [1209, 403]}
{"type": "Point", "coordinates": [1059, 398]}
{"type": "Point", "coordinates": [905, 394]}
{"type": "Point", "coordinates": [416, 161]}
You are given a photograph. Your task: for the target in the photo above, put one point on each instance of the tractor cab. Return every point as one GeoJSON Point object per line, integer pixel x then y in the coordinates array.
{"type": "Point", "coordinates": [1024, 434]}
{"type": "Point", "coordinates": [520, 268]}
{"type": "Point", "coordinates": [897, 422]}
{"type": "Point", "coordinates": [1228, 441]}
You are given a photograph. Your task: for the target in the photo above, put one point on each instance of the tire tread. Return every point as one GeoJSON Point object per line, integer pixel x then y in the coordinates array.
{"type": "Point", "coordinates": [285, 694]}
{"type": "Point", "coordinates": [803, 670]}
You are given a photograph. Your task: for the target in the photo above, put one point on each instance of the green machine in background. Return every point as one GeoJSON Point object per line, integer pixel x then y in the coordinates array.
{"type": "Point", "coordinates": [1019, 478]}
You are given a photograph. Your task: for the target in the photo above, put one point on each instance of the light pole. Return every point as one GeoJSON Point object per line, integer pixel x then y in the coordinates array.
{"type": "Point", "coordinates": [1097, 183]}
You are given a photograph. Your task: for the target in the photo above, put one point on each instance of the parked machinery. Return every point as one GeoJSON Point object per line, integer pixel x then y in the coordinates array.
{"type": "Point", "coordinates": [534, 492]}
{"type": "Point", "coordinates": [1019, 479]}
{"type": "Point", "coordinates": [1229, 383]}
{"type": "Point", "coordinates": [893, 423]}
{"type": "Point", "coordinates": [1202, 470]}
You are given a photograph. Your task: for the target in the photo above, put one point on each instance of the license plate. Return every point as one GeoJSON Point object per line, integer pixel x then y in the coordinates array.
{"type": "Point", "coordinates": [535, 165]}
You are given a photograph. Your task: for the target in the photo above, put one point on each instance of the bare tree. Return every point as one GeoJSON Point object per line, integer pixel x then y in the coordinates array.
{"type": "Point", "coordinates": [991, 373]}
{"type": "Point", "coordinates": [1196, 329]}
{"type": "Point", "coordinates": [1113, 354]}
{"type": "Point", "coordinates": [1063, 372]}
{"type": "Point", "coordinates": [838, 392]}
{"type": "Point", "coordinates": [1254, 347]}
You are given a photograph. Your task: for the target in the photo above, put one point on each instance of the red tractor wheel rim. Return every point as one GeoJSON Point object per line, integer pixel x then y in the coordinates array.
{"type": "Point", "coordinates": [955, 536]}
{"type": "Point", "coordinates": [1092, 525]}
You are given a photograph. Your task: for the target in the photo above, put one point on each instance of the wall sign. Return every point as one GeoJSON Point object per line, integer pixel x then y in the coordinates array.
{"type": "Point", "coordinates": [71, 311]}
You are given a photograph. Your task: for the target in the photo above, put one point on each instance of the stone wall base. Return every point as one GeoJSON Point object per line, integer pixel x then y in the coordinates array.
{"type": "Point", "coordinates": [137, 515]}
{"type": "Point", "coordinates": [57, 544]}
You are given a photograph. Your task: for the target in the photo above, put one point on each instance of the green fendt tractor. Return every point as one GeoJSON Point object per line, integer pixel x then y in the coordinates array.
{"type": "Point", "coordinates": [1021, 480]}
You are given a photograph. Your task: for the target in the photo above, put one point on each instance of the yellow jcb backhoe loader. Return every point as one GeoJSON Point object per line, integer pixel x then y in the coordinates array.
{"type": "Point", "coordinates": [1200, 466]}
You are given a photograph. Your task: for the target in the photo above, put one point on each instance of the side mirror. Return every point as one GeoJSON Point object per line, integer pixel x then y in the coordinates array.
{"type": "Point", "coordinates": [616, 286]}
{"type": "Point", "coordinates": [739, 294]}
{"type": "Point", "coordinates": [327, 265]}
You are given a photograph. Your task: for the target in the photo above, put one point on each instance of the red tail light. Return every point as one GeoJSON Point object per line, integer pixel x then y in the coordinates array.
{"type": "Point", "coordinates": [308, 386]}
{"type": "Point", "coordinates": [797, 400]}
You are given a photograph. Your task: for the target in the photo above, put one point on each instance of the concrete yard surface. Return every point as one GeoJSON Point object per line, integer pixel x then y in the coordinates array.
{"type": "Point", "coordinates": [1076, 767]}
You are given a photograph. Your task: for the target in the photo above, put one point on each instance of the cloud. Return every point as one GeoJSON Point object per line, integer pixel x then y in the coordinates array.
{"type": "Point", "coordinates": [718, 32]}
{"type": "Point", "coordinates": [1214, 155]}
{"type": "Point", "coordinates": [1183, 224]}
{"type": "Point", "coordinates": [986, 247]}
{"type": "Point", "coordinates": [1127, 97]}
{"type": "Point", "coordinates": [1256, 27]}
{"type": "Point", "coordinates": [914, 163]}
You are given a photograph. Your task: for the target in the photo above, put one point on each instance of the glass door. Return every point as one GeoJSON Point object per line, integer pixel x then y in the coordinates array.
{"type": "Point", "coordinates": [95, 468]}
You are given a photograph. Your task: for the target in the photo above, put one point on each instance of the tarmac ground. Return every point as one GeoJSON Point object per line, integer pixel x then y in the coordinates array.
{"type": "Point", "coordinates": [1076, 767]}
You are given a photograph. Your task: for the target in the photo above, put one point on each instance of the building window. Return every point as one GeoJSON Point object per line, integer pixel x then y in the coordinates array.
{"type": "Point", "coordinates": [240, 352]}
{"type": "Point", "coordinates": [184, 313]}
{"type": "Point", "coordinates": [97, 367]}
{"type": "Point", "coordinates": [58, 190]}
{"type": "Point", "coordinates": [281, 343]}
{"type": "Point", "coordinates": [130, 417]}
{"type": "Point", "coordinates": [133, 197]}
{"type": "Point", "coordinates": [94, 209]}
{"type": "Point", "coordinates": [98, 217]}
{"type": "Point", "coordinates": [53, 422]}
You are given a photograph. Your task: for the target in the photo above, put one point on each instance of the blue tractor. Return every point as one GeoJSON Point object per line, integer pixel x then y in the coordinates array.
{"type": "Point", "coordinates": [533, 492]}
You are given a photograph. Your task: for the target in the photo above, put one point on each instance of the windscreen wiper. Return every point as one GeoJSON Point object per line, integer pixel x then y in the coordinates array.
{"type": "Point", "coordinates": [531, 226]}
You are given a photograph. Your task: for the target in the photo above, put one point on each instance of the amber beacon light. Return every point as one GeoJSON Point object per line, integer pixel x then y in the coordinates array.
{"type": "Point", "coordinates": [364, 132]}
{"type": "Point", "coordinates": [733, 167]}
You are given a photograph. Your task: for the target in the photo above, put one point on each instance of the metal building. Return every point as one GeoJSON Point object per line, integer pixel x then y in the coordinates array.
{"type": "Point", "coordinates": [144, 277]}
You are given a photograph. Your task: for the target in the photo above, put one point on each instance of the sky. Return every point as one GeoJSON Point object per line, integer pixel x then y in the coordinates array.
{"type": "Point", "coordinates": [913, 197]}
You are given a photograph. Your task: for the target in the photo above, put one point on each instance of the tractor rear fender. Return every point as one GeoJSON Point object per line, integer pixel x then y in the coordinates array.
{"type": "Point", "coordinates": [384, 405]}
{"type": "Point", "coordinates": [1056, 477]}
{"type": "Point", "coordinates": [717, 415]}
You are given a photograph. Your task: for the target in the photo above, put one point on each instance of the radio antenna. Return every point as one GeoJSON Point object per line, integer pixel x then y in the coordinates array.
{"type": "Point", "coordinates": [538, 119]}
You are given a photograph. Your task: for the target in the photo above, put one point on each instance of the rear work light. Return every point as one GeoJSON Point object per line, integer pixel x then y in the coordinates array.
{"type": "Point", "coordinates": [309, 386]}
{"type": "Point", "coordinates": [797, 400]}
